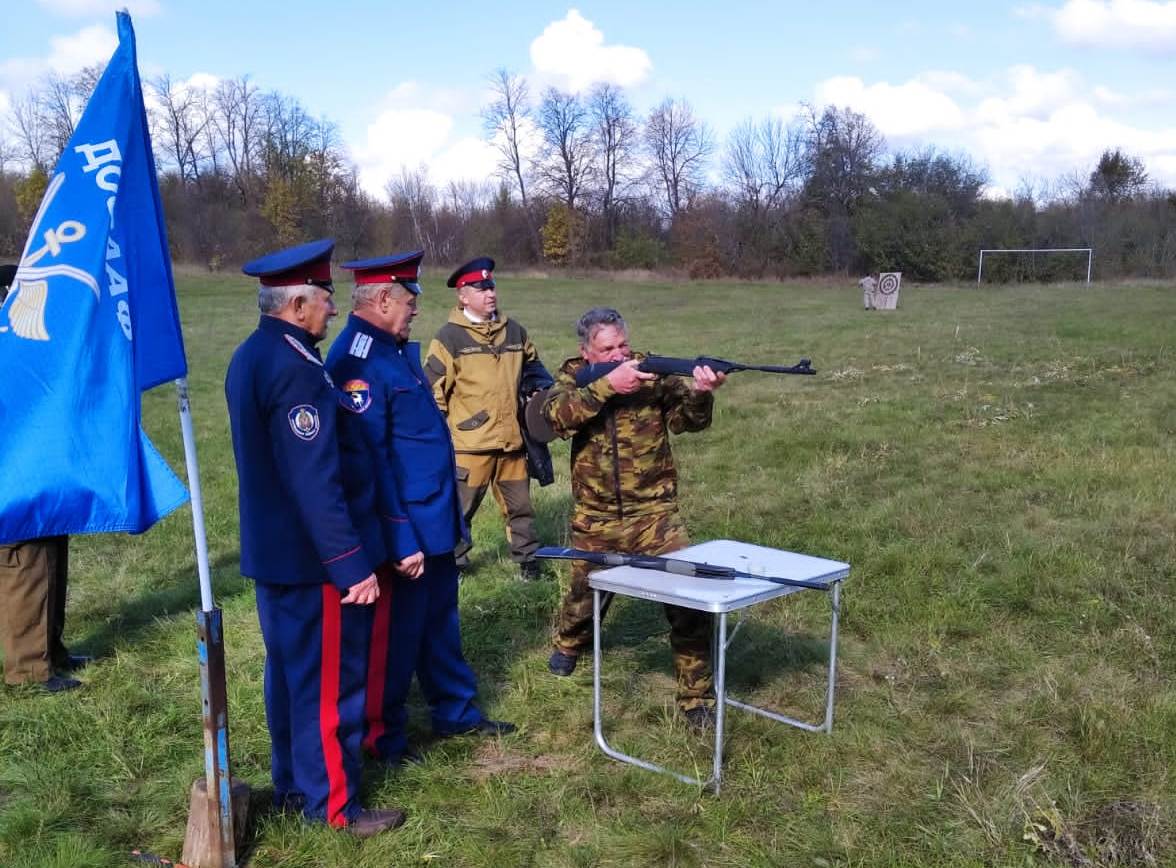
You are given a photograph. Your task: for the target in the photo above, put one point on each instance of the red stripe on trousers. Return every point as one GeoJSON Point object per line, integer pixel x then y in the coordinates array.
{"type": "Point", "coordinates": [378, 664]}
{"type": "Point", "coordinates": [329, 707]}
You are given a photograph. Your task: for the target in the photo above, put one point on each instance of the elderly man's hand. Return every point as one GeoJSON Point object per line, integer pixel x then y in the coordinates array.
{"type": "Point", "coordinates": [364, 593]}
{"type": "Point", "coordinates": [412, 567]}
{"type": "Point", "coordinates": [625, 377]}
{"type": "Point", "coordinates": [706, 380]}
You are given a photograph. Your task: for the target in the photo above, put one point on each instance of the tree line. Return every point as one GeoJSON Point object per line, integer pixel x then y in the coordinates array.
{"type": "Point", "coordinates": [585, 181]}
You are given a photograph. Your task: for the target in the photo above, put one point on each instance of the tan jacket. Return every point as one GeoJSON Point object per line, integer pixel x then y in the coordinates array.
{"type": "Point", "coordinates": [474, 369]}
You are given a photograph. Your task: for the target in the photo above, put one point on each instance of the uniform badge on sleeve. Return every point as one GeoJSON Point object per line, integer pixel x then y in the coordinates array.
{"type": "Point", "coordinates": [304, 421]}
{"type": "Point", "coordinates": [359, 395]}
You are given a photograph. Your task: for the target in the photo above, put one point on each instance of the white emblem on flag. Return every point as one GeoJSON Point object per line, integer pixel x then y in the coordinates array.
{"type": "Point", "coordinates": [26, 314]}
{"type": "Point", "coordinates": [30, 286]}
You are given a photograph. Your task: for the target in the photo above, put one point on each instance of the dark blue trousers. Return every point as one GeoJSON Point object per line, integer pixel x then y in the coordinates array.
{"type": "Point", "coordinates": [417, 630]}
{"type": "Point", "coordinates": [315, 662]}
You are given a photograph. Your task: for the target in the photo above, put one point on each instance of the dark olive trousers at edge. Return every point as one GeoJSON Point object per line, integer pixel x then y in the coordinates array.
{"type": "Point", "coordinates": [33, 579]}
{"type": "Point", "coordinates": [690, 629]}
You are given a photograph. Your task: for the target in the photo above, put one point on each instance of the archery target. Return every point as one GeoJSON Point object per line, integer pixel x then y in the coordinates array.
{"type": "Point", "coordinates": [887, 295]}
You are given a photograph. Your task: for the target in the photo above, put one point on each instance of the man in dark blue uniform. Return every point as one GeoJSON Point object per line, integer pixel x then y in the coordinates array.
{"type": "Point", "coordinates": [310, 540]}
{"type": "Point", "coordinates": [416, 620]}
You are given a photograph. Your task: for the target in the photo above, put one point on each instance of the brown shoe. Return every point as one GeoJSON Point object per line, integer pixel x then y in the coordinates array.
{"type": "Point", "coordinates": [375, 821]}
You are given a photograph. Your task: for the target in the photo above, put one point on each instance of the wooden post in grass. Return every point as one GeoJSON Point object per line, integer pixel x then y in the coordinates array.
{"type": "Point", "coordinates": [210, 841]}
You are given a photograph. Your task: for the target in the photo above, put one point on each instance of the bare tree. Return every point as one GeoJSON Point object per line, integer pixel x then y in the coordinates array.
{"type": "Point", "coordinates": [763, 162]}
{"type": "Point", "coordinates": [412, 192]}
{"type": "Point", "coordinates": [239, 120]}
{"type": "Point", "coordinates": [564, 164]}
{"type": "Point", "coordinates": [180, 123]}
{"type": "Point", "coordinates": [678, 145]}
{"type": "Point", "coordinates": [32, 140]}
{"type": "Point", "coordinates": [59, 111]}
{"type": "Point", "coordinates": [464, 197]}
{"type": "Point", "coordinates": [842, 149]}
{"type": "Point", "coordinates": [505, 119]}
{"type": "Point", "coordinates": [615, 138]}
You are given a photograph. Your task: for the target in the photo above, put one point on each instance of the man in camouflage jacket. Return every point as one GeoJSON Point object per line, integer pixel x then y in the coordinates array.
{"type": "Point", "coordinates": [625, 487]}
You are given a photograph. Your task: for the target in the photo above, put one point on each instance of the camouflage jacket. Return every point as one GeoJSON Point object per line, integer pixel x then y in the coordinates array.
{"type": "Point", "coordinates": [621, 460]}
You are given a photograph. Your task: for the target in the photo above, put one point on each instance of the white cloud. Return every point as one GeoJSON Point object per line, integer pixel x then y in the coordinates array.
{"type": "Point", "coordinates": [90, 45]}
{"type": "Point", "coordinates": [1139, 24]}
{"type": "Point", "coordinates": [897, 110]}
{"type": "Point", "coordinates": [1025, 123]}
{"type": "Point", "coordinates": [204, 81]}
{"type": "Point", "coordinates": [400, 138]}
{"type": "Point", "coordinates": [91, 8]}
{"type": "Point", "coordinates": [572, 52]}
{"type": "Point", "coordinates": [67, 54]}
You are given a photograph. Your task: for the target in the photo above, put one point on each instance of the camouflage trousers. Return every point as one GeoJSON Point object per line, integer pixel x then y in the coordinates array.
{"type": "Point", "coordinates": [690, 629]}
{"type": "Point", "coordinates": [506, 474]}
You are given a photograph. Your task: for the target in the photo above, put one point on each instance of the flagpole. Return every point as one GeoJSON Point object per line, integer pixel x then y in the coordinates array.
{"type": "Point", "coordinates": [202, 569]}
{"type": "Point", "coordinates": [211, 842]}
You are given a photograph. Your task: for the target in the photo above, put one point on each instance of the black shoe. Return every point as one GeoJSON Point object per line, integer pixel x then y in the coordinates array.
{"type": "Point", "coordinates": [530, 571]}
{"type": "Point", "coordinates": [408, 758]}
{"type": "Point", "coordinates": [375, 821]}
{"type": "Point", "coordinates": [74, 662]}
{"type": "Point", "coordinates": [561, 664]}
{"type": "Point", "coordinates": [700, 719]}
{"type": "Point", "coordinates": [59, 684]}
{"type": "Point", "coordinates": [291, 803]}
{"type": "Point", "coordinates": [485, 727]}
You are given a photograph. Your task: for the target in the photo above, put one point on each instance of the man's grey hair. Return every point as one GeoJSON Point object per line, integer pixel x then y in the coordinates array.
{"type": "Point", "coordinates": [366, 293]}
{"type": "Point", "coordinates": [596, 319]}
{"type": "Point", "coordinates": [271, 299]}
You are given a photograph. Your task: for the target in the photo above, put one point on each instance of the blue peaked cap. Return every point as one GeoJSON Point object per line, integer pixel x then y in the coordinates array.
{"type": "Point", "coordinates": [475, 270]}
{"type": "Point", "coordinates": [306, 263]}
{"type": "Point", "coordinates": [403, 268]}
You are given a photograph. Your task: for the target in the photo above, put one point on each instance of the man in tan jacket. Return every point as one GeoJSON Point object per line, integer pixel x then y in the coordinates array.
{"type": "Point", "coordinates": [474, 365]}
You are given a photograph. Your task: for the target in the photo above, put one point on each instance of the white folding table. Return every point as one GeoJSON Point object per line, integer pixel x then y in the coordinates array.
{"type": "Point", "coordinates": [720, 597]}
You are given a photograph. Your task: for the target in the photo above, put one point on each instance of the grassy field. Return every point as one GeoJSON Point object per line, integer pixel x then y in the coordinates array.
{"type": "Point", "coordinates": [997, 465]}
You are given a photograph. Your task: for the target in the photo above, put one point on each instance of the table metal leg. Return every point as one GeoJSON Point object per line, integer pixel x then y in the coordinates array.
{"type": "Point", "coordinates": [598, 705]}
{"type": "Point", "coordinates": [825, 725]}
{"type": "Point", "coordinates": [833, 657]}
{"type": "Point", "coordinates": [721, 641]}
{"type": "Point", "coordinates": [720, 664]}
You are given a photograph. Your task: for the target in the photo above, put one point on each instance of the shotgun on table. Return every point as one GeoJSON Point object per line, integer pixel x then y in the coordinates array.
{"type": "Point", "coordinates": [668, 565]}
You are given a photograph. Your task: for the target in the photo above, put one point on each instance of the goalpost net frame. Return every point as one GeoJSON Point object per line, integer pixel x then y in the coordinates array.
{"type": "Point", "coordinates": [1089, 251]}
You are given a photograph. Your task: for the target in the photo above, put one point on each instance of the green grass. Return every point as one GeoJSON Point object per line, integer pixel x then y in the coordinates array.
{"type": "Point", "coordinates": [997, 466]}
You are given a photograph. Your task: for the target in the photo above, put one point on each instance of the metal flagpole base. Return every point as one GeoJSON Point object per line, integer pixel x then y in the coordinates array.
{"type": "Point", "coordinates": [219, 803]}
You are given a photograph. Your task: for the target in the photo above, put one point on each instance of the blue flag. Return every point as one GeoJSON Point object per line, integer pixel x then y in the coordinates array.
{"type": "Point", "coordinates": [90, 323]}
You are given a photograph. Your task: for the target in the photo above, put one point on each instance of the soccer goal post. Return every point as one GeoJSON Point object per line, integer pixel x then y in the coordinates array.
{"type": "Point", "coordinates": [1089, 251]}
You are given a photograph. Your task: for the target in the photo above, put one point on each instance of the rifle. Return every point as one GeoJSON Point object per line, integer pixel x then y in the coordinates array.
{"type": "Point", "coordinates": [667, 565]}
{"type": "Point", "coordinates": [665, 365]}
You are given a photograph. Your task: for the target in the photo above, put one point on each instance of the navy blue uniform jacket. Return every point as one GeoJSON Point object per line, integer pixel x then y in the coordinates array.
{"type": "Point", "coordinates": [393, 407]}
{"type": "Point", "coordinates": [303, 521]}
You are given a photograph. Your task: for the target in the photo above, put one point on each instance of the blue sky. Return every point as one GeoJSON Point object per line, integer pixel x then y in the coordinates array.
{"type": "Point", "coordinates": [1032, 91]}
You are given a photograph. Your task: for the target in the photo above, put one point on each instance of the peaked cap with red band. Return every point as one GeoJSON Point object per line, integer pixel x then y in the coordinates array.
{"type": "Point", "coordinates": [473, 271]}
{"type": "Point", "coordinates": [402, 268]}
{"type": "Point", "coordinates": [307, 264]}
